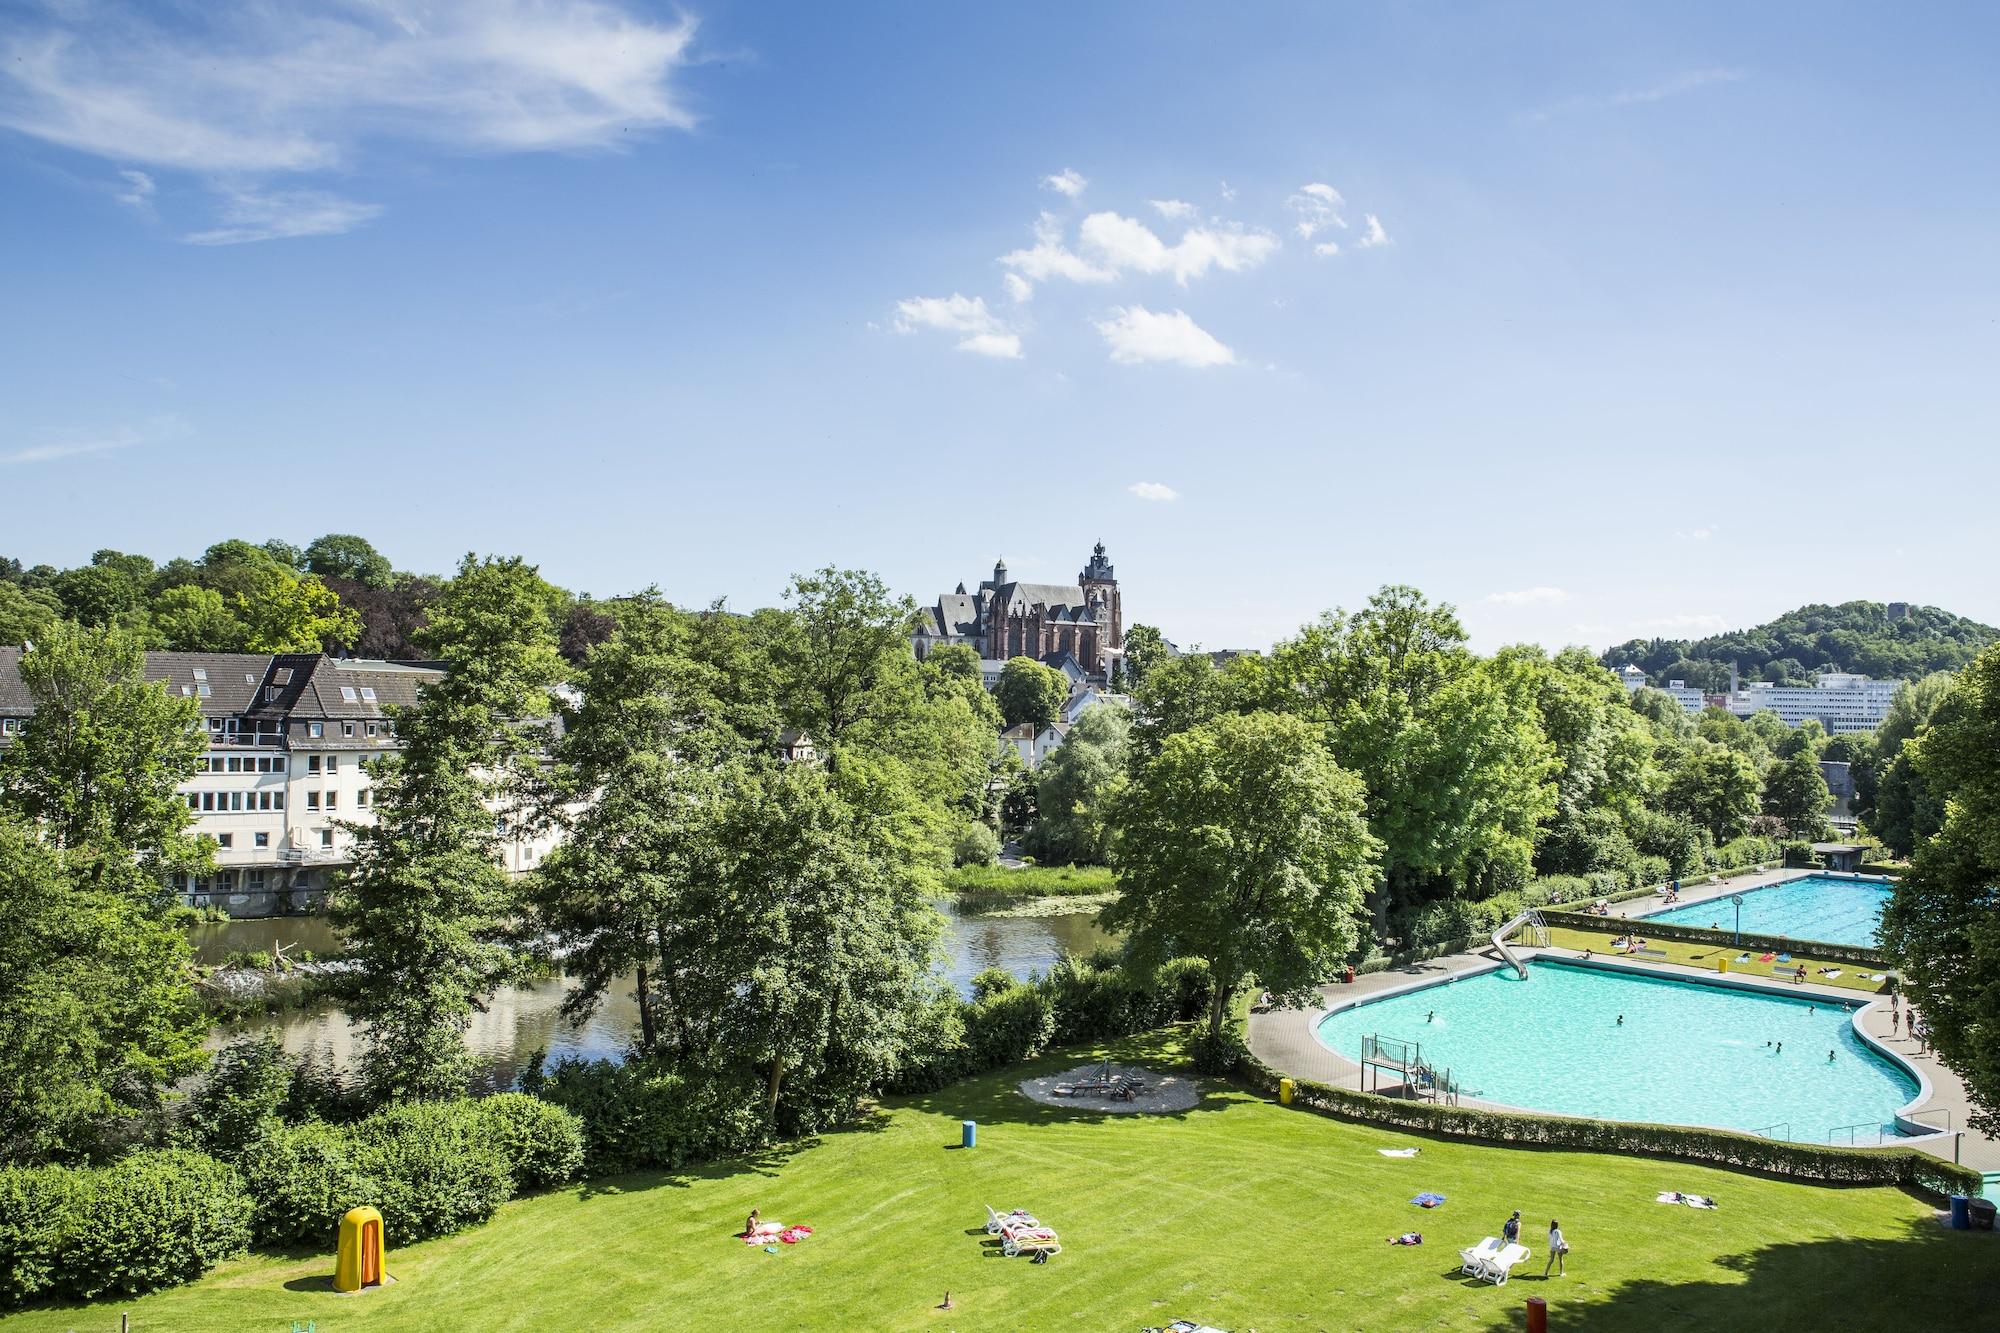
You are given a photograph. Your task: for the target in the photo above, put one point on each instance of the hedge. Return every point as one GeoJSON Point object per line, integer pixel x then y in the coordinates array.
{"type": "Point", "coordinates": [1668, 930]}
{"type": "Point", "coordinates": [1715, 1147]}
{"type": "Point", "coordinates": [637, 1116]}
{"type": "Point", "coordinates": [150, 1220]}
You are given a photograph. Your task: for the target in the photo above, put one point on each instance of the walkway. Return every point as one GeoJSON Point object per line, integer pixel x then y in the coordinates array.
{"type": "Point", "coordinates": [1284, 1039]}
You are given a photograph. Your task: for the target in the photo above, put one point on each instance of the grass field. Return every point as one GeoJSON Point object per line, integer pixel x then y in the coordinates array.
{"type": "Point", "coordinates": [998, 882]}
{"type": "Point", "coordinates": [1239, 1212]}
{"type": "Point", "coordinates": [1852, 976]}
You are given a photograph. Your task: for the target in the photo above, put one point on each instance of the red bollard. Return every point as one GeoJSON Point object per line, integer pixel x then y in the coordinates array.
{"type": "Point", "coordinates": [1538, 1315]}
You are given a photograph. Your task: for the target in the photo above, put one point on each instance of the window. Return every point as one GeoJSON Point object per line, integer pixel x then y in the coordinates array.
{"type": "Point", "coordinates": [263, 800]}
{"type": "Point", "coordinates": [225, 840]}
{"type": "Point", "coordinates": [368, 694]}
{"type": "Point", "coordinates": [347, 728]}
{"type": "Point", "coordinates": [312, 764]}
{"type": "Point", "coordinates": [208, 800]}
{"type": "Point", "coordinates": [236, 800]}
{"type": "Point", "coordinates": [194, 801]}
{"type": "Point", "coordinates": [332, 799]}
{"type": "Point", "coordinates": [277, 800]}
{"type": "Point", "coordinates": [361, 798]}
{"type": "Point", "coordinates": [347, 695]}
{"type": "Point", "coordinates": [235, 763]}
{"type": "Point", "coordinates": [332, 763]}
{"type": "Point", "coordinates": [312, 800]}
{"type": "Point", "coordinates": [256, 879]}
{"type": "Point", "coordinates": [371, 728]}
{"type": "Point", "coordinates": [315, 730]}
{"type": "Point", "coordinates": [262, 839]}
{"type": "Point", "coordinates": [201, 673]}
{"type": "Point", "coordinates": [326, 837]}
{"type": "Point", "coordinates": [204, 691]}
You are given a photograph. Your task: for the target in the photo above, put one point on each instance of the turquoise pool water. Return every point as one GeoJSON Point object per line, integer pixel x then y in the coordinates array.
{"type": "Point", "coordinates": [1688, 1053]}
{"type": "Point", "coordinates": [1833, 911]}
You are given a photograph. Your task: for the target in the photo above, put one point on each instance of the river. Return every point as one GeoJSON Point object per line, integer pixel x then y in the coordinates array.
{"type": "Point", "coordinates": [520, 1020]}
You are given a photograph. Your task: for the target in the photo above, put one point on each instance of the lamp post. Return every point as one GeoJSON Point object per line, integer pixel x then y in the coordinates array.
{"type": "Point", "coordinates": [1737, 898]}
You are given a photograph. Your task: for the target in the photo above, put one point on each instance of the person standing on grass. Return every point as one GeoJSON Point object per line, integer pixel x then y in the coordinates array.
{"type": "Point", "coordinates": [1511, 1233]}
{"type": "Point", "coordinates": [1558, 1247]}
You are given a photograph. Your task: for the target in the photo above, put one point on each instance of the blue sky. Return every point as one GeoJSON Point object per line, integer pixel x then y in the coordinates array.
{"type": "Point", "coordinates": [1595, 320]}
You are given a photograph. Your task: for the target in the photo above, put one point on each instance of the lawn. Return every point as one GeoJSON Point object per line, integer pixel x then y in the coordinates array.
{"type": "Point", "coordinates": [1240, 1212]}
{"type": "Point", "coordinates": [1852, 976]}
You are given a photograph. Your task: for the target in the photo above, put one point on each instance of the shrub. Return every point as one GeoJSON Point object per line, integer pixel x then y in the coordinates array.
{"type": "Point", "coordinates": [304, 1178]}
{"type": "Point", "coordinates": [638, 1116]}
{"type": "Point", "coordinates": [1216, 1053]}
{"type": "Point", "coordinates": [1673, 838]}
{"type": "Point", "coordinates": [1008, 1027]}
{"type": "Point", "coordinates": [1650, 870]}
{"type": "Point", "coordinates": [541, 1143]}
{"type": "Point", "coordinates": [435, 1169]}
{"type": "Point", "coordinates": [992, 981]}
{"type": "Point", "coordinates": [1556, 889]}
{"type": "Point", "coordinates": [242, 1096]}
{"type": "Point", "coordinates": [975, 845]}
{"type": "Point", "coordinates": [150, 1220]}
{"type": "Point", "coordinates": [1604, 883]}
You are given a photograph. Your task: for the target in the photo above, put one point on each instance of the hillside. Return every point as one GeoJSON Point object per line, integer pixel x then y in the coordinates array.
{"type": "Point", "coordinates": [1889, 641]}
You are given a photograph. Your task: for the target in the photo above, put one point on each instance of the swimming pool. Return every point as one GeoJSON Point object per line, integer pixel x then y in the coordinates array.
{"type": "Point", "coordinates": [1812, 907]}
{"type": "Point", "coordinates": [1687, 1053]}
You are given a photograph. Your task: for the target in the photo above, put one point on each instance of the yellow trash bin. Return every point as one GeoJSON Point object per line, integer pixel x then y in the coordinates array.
{"type": "Point", "coordinates": [1722, 964]}
{"type": "Point", "coordinates": [1284, 1092]}
{"type": "Point", "coordinates": [358, 1262]}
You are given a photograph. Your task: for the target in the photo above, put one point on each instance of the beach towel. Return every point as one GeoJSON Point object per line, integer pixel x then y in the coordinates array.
{"type": "Point", "coordinates": [1691, 1200]}
{"type": "Point", "coordinates": [1878, 976]}
{"type": "Point", "coordinates": [1784, 958]}
{"type": "Point", "coordinates": [1742, 957]}
{"type": "Point", "coordinates": [1829, 971]}
{"type": "Point", "coordinates": [765, 1231]}
{"type": "Point", "coordinates": [1765, 957]}
{"type": "Point", "coordinates": [1428, 1200]}
{"type": "Point", "coordinates": [1397, 1152]}
{"type": "Point", "coordinates": [793, 1235]}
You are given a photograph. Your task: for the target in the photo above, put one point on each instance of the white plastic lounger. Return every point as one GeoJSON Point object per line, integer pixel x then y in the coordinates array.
{"type": "Point", "coordinates": [1030, 1242]}
{"type": "Point", "coordinates": [1472, 1260]}
{"type": "Point", "coordinates": [1501, 1264]}
{"type": "Point", "coordinates": [998, 1222]}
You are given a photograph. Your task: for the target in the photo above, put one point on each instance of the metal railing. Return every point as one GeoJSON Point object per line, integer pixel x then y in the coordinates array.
{"type": "Point", "coordinates": [1944, 1111]}
{"type": "Point", "coordinates": [1765, 1130]}
{"type": "Point", "coordinates": [1853, 1139]}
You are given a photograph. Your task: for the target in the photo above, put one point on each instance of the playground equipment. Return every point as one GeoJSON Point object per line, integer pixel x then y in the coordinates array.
{"type": "Point", "coordinates": [358, 1260]}
{"type": "Point", "coordinates": [1538, 929]}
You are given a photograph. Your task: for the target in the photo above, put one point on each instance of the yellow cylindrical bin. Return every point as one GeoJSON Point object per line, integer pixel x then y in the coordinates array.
{"type": "Point", "coordinates": [1284, 1092]}
{"type": "Point", "coordinates": [1722, 964]}
{"type": "Point", "coordinates": [358, 1261]}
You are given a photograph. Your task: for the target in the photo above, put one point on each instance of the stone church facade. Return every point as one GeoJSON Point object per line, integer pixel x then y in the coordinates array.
{"type": "Point", "coordinates": [1084, 621]}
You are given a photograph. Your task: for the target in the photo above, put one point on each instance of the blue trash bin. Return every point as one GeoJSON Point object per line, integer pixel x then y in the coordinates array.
{"type": "Point", "coordinates": [1961, 1212]}
{"type": "Point", "coordinates": [968, 1135]}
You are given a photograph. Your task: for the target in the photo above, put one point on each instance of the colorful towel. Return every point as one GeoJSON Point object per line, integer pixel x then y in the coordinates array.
{"type": "Point", "coordinates": [765, 1231]}
{"type": "Point", "coordinates": [1397, 1152]}
{"type": "Point", "coordinates": [793, 1235]}
{"type": "Point", "coordinates": [1765, 957]}
{"type": "Point", "coordinates": [1428, 1200]}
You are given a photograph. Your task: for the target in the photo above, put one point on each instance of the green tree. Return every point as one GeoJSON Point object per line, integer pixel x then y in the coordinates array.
{"type": "Point", "coordinates": [1030, 692]}
{"type": "Point", "coordinates": [425, 907]}
{"type": "Point", "coordinates": [289, 613]}
{"type": "Point", "coordinates": [1717, 788]}
{"type": "Point", "coordinates": [100, 595]}
{"type": "Point", "coordinates": [845, 639]}
{"type": "Point", "coordinates": [100, 1016]}
{"type": "Point", "coordinates": [26, 613]}
{"type": "Point", "coordinates": [1076, 786]}
{"type": "Point", "coordinates": [1145, 648]}
{"type": "Point", "coordinates": [99, 764]}
{"type": "Point", "coordinates": [340, 555]}
{"type": "Point", "coordinates": [190, 618]}
{"type": "Point", "coordinates": [1808, 738]}
{"type": "Point", "coordinates": [1796, 793]}
{"type": "Point", "coordinates": [1245, 845]}
{"type": "Point", "coordinates": [1942, 924]}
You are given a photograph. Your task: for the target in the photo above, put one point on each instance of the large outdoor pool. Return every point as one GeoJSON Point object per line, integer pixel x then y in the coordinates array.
{"type": "Point", "coordinates": [1687, 1053]}
{"type": "Point", "coordinates": [1815, 907]}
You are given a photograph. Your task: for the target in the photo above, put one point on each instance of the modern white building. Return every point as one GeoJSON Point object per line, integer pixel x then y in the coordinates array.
{"type": "Point", "coordinates": [1840, 701]}
{"type": "Point", "coordinates": [1691, 700]}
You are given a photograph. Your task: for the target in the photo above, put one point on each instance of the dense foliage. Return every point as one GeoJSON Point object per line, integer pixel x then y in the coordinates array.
{"type": "Point", "coordinates": [1854, 636]}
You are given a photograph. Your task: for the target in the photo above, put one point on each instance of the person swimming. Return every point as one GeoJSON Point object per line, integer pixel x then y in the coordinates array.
{"type": "Point", "coordinates": [1621, 1020]}
{"type": "Point", "coordinates": [1829, 1057]}
{"type": "Point", "coordinates": [1430, 1016]}
{"type": "Point", "coordinates": [1781, 1048]}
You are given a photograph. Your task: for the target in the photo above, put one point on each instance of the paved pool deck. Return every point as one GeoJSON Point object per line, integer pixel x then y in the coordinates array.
{"type": "Point", "coordinates": [1283, 1038]}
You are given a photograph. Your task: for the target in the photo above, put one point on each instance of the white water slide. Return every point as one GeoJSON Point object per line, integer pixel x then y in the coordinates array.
{"type": "Point", "coordinates": [1531, 919]}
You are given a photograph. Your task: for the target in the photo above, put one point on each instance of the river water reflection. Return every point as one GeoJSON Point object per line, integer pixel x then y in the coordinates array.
{"type": "Point", "coordinates": [521, 1020]}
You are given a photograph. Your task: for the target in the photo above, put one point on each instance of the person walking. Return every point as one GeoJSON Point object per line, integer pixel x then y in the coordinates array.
{"type": "Point", "coordinates": [1558, 1247]}
{"type": "Point", "coordinates": [1511, 1233]}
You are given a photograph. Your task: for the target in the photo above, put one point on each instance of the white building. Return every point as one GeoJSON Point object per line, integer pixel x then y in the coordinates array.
{"type": "Point", "coordinates": [1840, 701]}
{"type": "Point", "coordinates": [1089, 697]}
{"type": "Point", "coordinates": [1691, 700]}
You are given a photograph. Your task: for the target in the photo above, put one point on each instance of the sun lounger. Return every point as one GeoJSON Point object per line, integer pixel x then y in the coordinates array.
{"type": "Point", "coordinates": [1650, 953]}
{"type": "Point", "coordinates": [996, 1222]}
{"type": "Point", "coordinates": [1496, 1269]}
{"type": "Point", "coordinates": [1039, 1243]}
{"type": "Point", "coordinates": [1472, 1259]}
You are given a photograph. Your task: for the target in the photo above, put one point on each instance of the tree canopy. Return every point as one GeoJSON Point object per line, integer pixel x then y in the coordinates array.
{"type": "Point", "coordinates": [1853, 636]}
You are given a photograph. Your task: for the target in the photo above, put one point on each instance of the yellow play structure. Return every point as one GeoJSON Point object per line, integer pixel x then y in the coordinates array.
{"type": "Point", "coordinates": [358, 1264]}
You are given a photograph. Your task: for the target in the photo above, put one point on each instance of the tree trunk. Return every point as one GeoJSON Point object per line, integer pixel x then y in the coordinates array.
{"type": "Point", "coordinates": [647, 1034]}
{"type": "Point", "coordinates": [1218, 1006]}
{"type": "Point", "coordinates": [777, 1078]}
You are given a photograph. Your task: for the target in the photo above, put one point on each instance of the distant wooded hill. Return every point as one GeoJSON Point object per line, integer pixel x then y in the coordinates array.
{"type": "Point", "coordinates": [1889, 641]}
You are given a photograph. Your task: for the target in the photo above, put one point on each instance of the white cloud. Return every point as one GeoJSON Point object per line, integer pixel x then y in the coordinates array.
{"type": "Point", "coordinates": [1700, 534]}
{"type": "Point", "coordinates": [981, 332]}
{"type": "Point", "coordinates": [1675, 85]}
{"type": "Point", "coordinates": [1528, 596]}
{"type": "Point", "coordinates": [1318, 207]}
{"type": "Point", "coordinates": [253, 215]}
{"type": "Point", "coordinates": [1677, 626]}
{"type": "Point", "coordinates": [1066, 182]}
{"type": "Point", "coordinates": [1228, 193]}
{"type": "Point", "coordinates": [243, 91]}
{"type": "Point", "coordinates": [1375, 235]}
{"type": "Point", "coordinates": [157, 431]}
{"type": "Point", "coordinates": [1153, 490]}
{"type": "Point", "coordinates": [1126, 243]}
{"type": "Point", "coordinates": [1049, 258]}
{"type": "Point", "coordinates": [1174, 209]}
{"type": "Point", "coordinates": [138, 191]}
{"type": "Point", "coordinates": [1019, 287]}
{"type": "Point", "coordinates": [1327, 248]}
{"type": "Point", "coordinates": [1136, 336]}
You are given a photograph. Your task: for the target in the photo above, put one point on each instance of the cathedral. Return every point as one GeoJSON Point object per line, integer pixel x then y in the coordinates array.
{"type": "Point", "coordinates": [1083, 621]}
